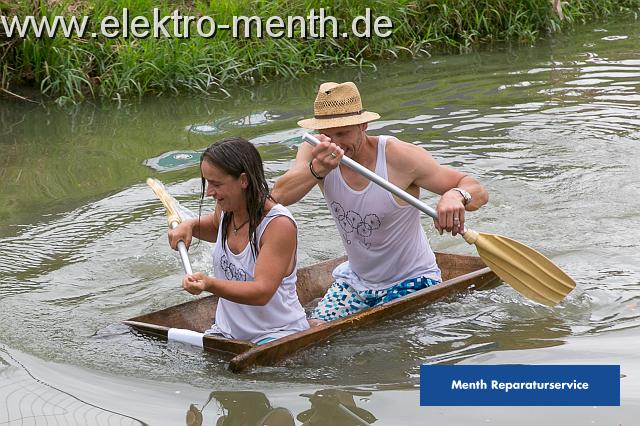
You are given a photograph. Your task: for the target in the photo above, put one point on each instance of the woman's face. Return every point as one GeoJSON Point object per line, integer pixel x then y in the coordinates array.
{"type": "Point", "coordinates": [226, 189]}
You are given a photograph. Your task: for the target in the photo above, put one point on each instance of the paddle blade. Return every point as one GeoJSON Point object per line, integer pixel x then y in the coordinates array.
{"type": "Point", "coordinates": [162, 194]}
{"type": "Point", "coordinates": [523, 268]}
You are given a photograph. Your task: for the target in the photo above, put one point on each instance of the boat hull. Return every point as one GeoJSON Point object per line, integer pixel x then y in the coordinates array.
{"type": "Point", "coordinates": [459, 273]}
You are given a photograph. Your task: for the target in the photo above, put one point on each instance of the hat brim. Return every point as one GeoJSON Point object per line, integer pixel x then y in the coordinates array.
{"type": "Point", "coordinates": [328, 123]}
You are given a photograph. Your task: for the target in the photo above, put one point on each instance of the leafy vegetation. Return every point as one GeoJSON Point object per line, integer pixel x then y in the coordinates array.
{"type": "Point", "coordinates": [69, 70]}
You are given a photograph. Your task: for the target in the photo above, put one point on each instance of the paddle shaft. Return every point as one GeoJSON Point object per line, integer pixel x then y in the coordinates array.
{"type": "Point", "coordinates": [182, 249]}
{"type": "Point", "coordinates": [403, 195]}
{"type": "Point", "coordinates": [173, 219]}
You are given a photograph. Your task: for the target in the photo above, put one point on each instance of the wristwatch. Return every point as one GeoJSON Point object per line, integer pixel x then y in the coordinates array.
{"type": "Point", "coordinates": [465, 195]}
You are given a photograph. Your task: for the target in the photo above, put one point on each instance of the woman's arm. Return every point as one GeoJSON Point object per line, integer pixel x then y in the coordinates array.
{"type": "Point", "coordinates": [275, 261]}
{"type": "Point", "coordinates": [203, 228]}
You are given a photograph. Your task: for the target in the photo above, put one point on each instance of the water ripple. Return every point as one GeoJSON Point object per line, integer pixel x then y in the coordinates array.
{"type": "Point", "coordinates": [553, 132]}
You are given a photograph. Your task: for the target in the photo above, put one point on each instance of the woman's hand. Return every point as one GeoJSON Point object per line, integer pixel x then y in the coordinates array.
{"type": "Point", "coordinates": [195, 283]}
{"type": "Point", "coordinates": [183, 232]}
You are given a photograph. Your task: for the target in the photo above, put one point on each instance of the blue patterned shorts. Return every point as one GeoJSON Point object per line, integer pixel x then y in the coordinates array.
{"type": "Point", "coordinates": [342, 300]}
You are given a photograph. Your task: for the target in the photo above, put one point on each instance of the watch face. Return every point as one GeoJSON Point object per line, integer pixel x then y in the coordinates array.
{"type": "Point", "coordinates": [465, 195]}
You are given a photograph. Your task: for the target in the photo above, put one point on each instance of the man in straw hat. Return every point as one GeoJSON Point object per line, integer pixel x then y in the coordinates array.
{"type": "Point", "coordinates": [388, 253]}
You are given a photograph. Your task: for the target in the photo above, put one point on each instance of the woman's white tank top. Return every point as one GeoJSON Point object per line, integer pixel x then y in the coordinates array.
{"type": "Point", "coordinates": [281, 316]}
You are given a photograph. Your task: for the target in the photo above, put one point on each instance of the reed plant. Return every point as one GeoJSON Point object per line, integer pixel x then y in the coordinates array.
{"type": "Point", "coordinates": [69, 70]}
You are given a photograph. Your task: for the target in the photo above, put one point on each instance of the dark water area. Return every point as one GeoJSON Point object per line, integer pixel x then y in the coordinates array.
{"type": "Point", "coordinates": [553, 132]}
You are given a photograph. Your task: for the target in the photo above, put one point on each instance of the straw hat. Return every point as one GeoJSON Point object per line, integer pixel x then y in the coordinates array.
{"type": "Point", "coordinates": [337, 105]}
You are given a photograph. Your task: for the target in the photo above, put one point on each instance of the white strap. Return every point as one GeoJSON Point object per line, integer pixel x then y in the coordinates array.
{"type": "Point", "coordinates": [185, 336]}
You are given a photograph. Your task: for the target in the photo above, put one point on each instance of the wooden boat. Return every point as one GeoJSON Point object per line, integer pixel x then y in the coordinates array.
{"type": "Point", "coordinates": [459, 273]}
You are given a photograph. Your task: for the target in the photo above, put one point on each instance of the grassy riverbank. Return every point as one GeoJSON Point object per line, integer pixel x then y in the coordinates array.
{"type": "Point", "coordinates": [69, 70]}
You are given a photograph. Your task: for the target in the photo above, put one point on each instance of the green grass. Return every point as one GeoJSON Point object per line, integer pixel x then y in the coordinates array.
{"type": "Point", "coordinates": [71, 70]}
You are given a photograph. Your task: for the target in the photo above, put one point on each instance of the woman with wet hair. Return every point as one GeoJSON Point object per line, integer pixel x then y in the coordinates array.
{"type": "Point", "coordinates": [254, 256]}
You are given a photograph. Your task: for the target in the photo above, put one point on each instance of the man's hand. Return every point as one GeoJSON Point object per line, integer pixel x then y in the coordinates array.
{"type": "Point", "coordinates": [450, 211]}
{"type": "Point", "coordinates": [326, 155]}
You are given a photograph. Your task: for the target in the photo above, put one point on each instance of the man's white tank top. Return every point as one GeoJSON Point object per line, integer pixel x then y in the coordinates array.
{"type": "Point", "coordinates": [281, 316]}
{"type": "Point", "coordinates": [384, 240]}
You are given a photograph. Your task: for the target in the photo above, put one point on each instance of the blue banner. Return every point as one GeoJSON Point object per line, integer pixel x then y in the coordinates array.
{"type": "Point", "coordinates": [520, 385]}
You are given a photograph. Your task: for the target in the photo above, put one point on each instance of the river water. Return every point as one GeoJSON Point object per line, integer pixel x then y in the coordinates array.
{"type": "Point", "coordinates": [553, 131]}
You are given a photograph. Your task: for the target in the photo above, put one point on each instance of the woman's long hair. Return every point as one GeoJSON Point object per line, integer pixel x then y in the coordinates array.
{"type": "Point", "coordinates": [236, 156]}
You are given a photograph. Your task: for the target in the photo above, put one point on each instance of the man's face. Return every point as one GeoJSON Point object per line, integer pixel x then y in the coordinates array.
{"type": "Point", "coordinates": [349, 138]}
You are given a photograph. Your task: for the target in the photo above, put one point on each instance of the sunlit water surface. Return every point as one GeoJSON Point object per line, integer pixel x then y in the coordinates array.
{"type": "Point", "coordinates": [552, 131]}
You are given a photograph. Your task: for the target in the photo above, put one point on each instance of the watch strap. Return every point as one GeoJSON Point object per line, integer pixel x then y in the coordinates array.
{"type": "Point", "coordinates": [465, 195]}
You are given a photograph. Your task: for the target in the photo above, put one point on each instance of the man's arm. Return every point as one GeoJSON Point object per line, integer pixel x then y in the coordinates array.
{"type": "Point", "coordinates": [292, 186]}
{"type": "Point", "coordinates": [479, 195]}
{"type": "Point", "coordinates": [415, 166]}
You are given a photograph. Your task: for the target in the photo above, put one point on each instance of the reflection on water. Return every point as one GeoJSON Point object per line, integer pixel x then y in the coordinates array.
{"type": "Point", "coordinates": [174, 160]}
{"type": "Point", "coordinates": [226, 123]}
{"type": "Point", "coordinates": [334, 407]}
{"type": "Point", "coordinates": [243, 408]}
{"type": "Point", "coordinates": [552, 131]}
{"type": "Point", "coordinates": [513, 326]}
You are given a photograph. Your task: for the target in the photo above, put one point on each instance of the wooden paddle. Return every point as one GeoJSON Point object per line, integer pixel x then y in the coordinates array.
{"type": "Point", "coordinates": [523, 268]}
{"type": "Point", "coordinates": [173, 219]}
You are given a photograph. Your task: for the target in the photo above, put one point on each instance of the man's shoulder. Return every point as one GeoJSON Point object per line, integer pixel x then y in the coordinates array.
{"type": "Point", "coordinates": [399, 152]}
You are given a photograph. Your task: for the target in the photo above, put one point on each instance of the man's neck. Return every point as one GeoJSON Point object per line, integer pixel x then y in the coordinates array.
{"type": "Point", "coordinates": [366, 154]}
